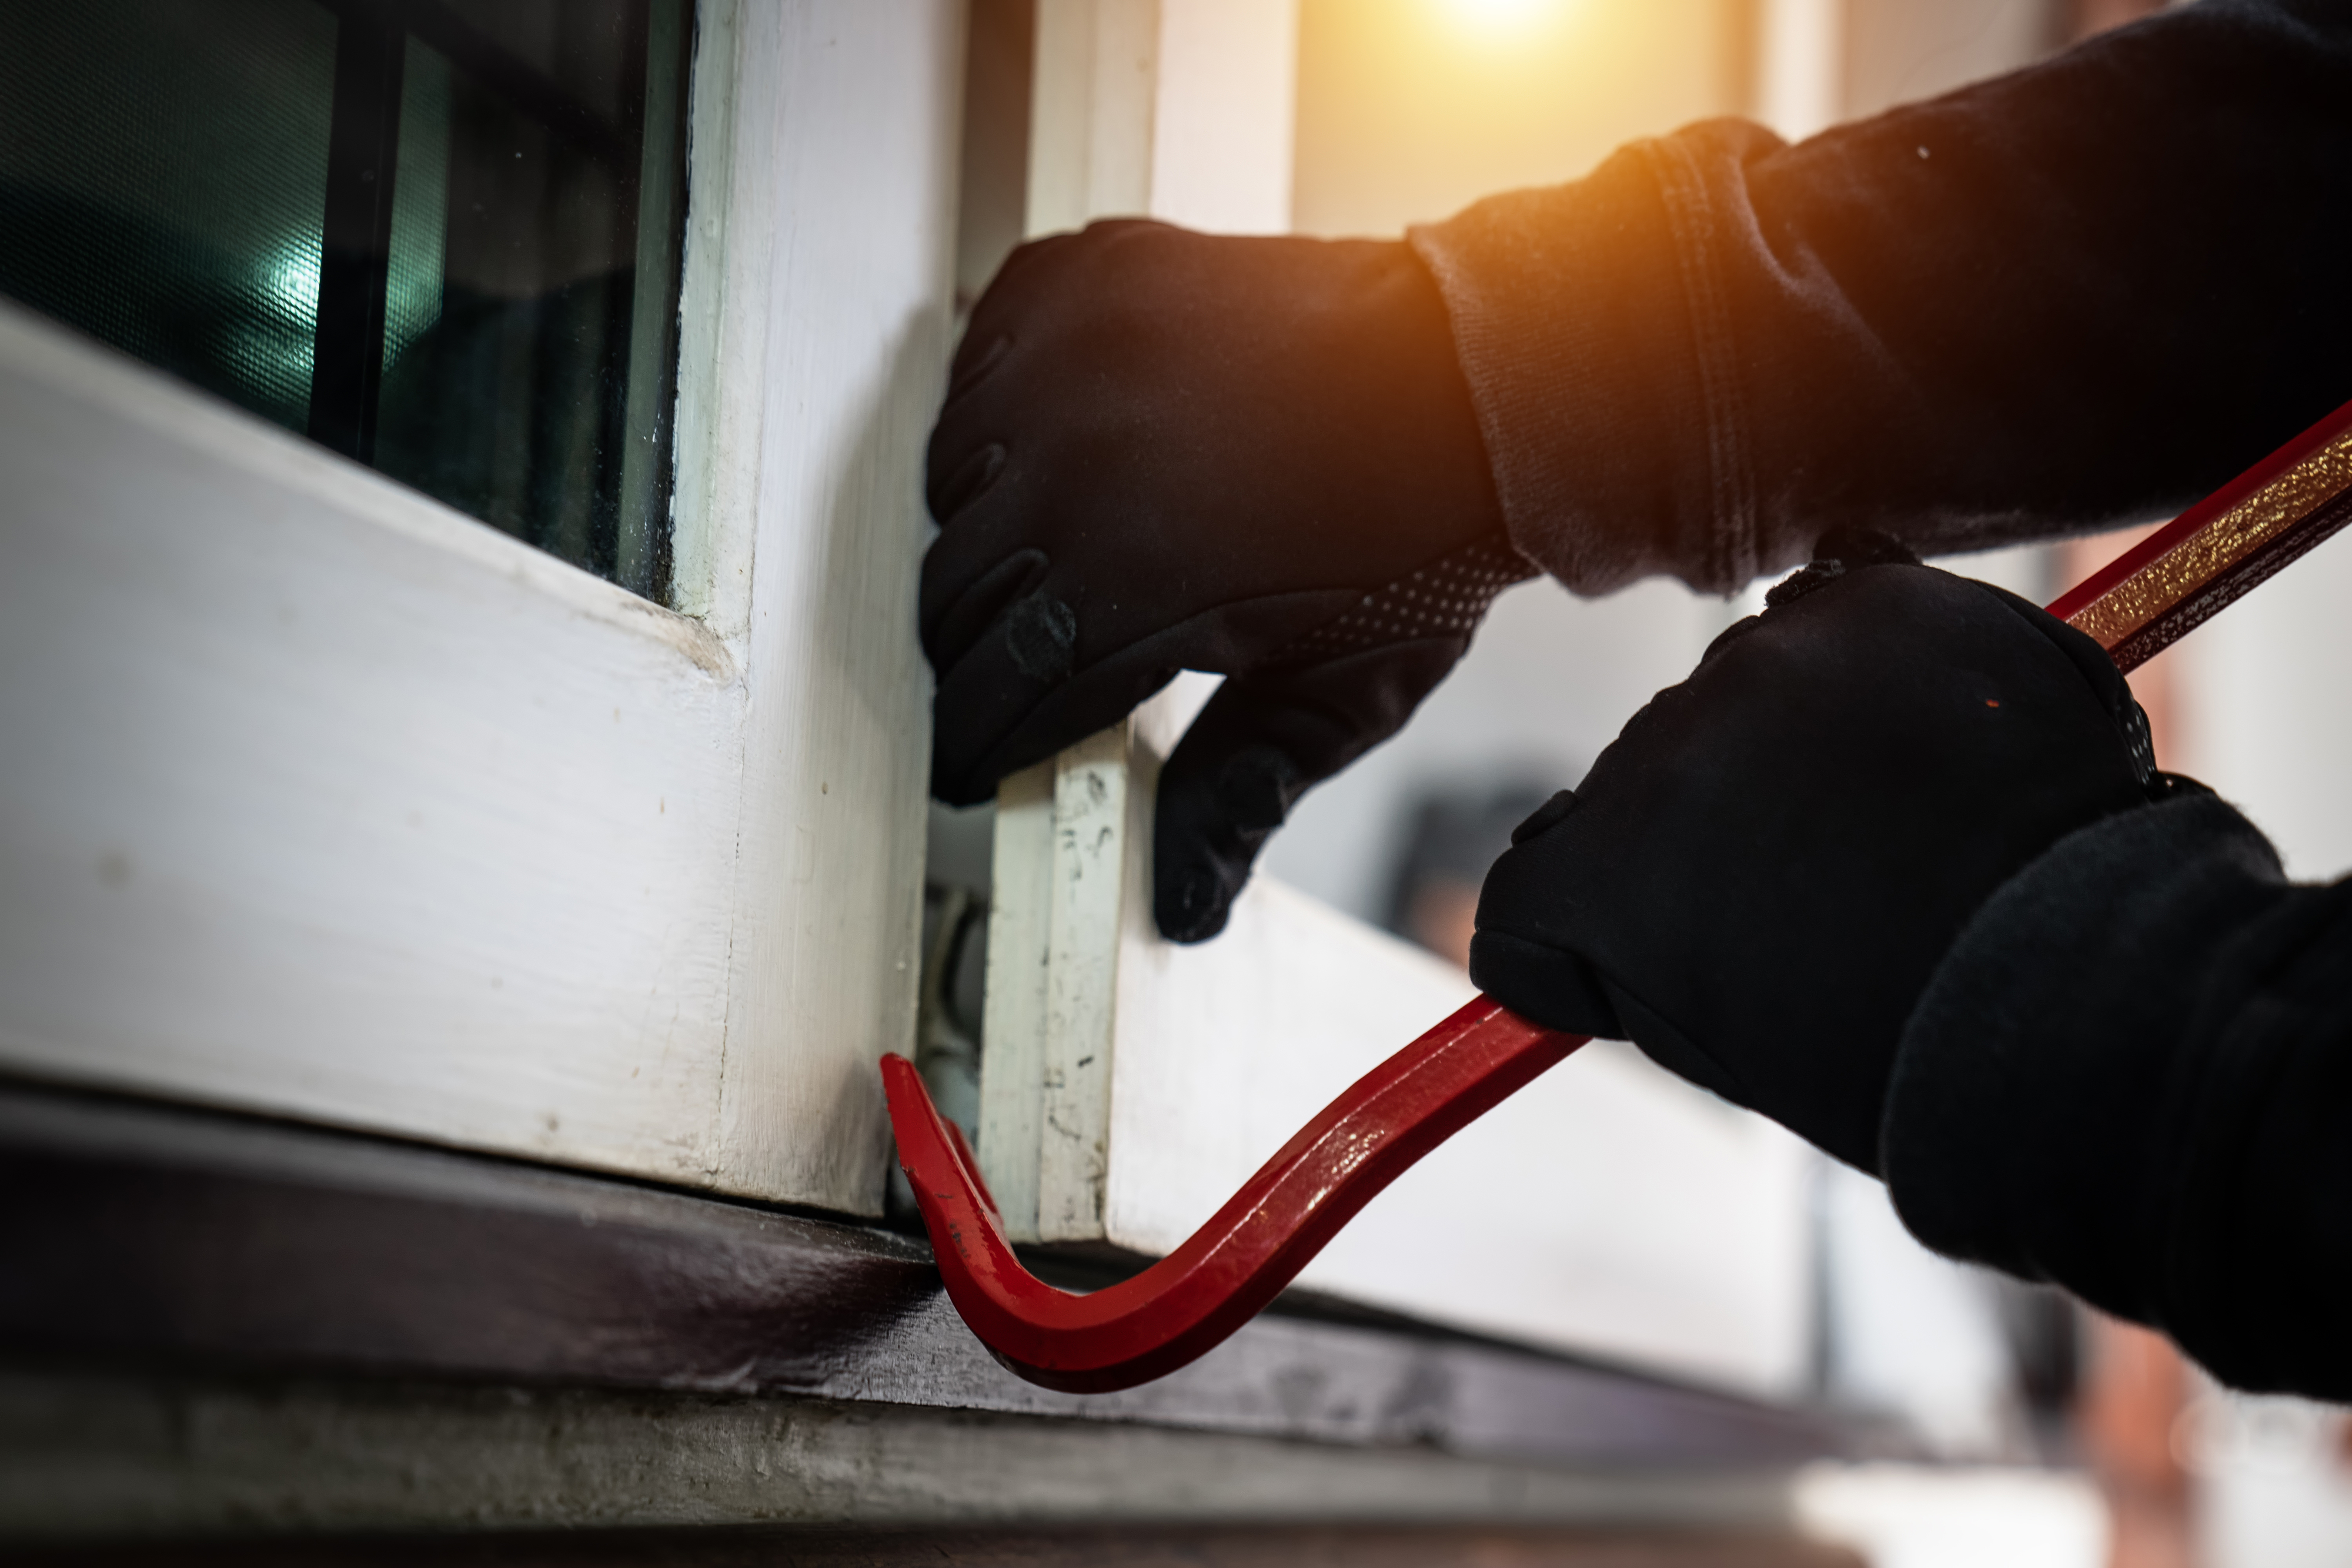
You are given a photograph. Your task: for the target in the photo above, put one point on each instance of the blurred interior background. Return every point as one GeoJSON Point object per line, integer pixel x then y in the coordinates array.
{"type": "Point", "coordinates": [531, 266]}
{"type": "Point", "coordinates": [2086, 1441]}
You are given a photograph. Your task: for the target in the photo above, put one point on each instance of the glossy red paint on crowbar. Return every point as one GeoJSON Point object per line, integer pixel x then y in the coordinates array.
{"type": "Point", "coordinates": [1174, 1311]}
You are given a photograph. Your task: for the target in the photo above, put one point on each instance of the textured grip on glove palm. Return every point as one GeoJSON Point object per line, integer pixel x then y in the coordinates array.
{"type": "Point", "coordinates": [1264, 739]}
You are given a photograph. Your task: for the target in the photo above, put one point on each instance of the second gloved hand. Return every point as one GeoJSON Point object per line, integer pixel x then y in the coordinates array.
{"type": "Point", "coordinates": [1755, 881]}
{"type": "Point", "coordinates": [1164, 451]}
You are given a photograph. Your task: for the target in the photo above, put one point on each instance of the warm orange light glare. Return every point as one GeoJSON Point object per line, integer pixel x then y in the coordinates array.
{"type": "Point", "coordinates": [1500, 18]}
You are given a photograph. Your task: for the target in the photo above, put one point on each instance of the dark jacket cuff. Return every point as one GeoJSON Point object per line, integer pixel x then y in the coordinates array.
{"type": "Point", "coordinates": [1614, 426]}
{"type": "Point", "coordinates": [2049, 1080]}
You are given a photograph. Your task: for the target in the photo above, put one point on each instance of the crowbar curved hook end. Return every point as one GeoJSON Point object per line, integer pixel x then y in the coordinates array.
{"type": "Point", "coordinates": [1183, 1305]}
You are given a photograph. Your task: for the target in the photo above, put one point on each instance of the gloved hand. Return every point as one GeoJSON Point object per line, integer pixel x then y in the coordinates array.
{"type": "Point", "coordinates": [1164, 451]}
{"type": "Point", "coordinates": [1755, 881]}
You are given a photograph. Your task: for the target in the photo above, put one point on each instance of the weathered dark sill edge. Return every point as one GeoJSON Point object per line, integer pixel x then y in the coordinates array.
{"type": "Point", "coordinates": [164, 1235]}
{"type": "Point", "coordinates": [1166, 1546]}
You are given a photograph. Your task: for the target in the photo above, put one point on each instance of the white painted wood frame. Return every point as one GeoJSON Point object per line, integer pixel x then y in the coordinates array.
{"type": "Point", "coordinates": [1800, 86]}
{"type": "Point", "coordinates": [319, 800]}
{"type": "Point", "coordinates": [1128, 1085]}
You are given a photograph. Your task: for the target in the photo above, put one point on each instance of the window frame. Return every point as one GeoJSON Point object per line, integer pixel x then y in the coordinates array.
{"type": "Point", "coordinates": [330, 802]}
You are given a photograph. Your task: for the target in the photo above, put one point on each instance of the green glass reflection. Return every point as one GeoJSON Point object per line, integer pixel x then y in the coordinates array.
{"type": "Point", "coordinates": [163, 175]}
{"type": "Point", "coordinates": [165, 187]}
{"type": "Point", "coordinates": [420, 197]}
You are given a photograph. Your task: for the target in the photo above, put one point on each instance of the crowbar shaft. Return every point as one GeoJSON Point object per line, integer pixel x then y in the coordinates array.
{"type": "Point", "coordinates": [1180, 1307]}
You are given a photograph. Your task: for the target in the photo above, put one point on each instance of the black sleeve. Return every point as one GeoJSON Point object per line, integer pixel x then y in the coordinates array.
{"type": "Point", "coordinates": [2132, 1075]}
{"type": "Point", "coordinates": [2078, 296]}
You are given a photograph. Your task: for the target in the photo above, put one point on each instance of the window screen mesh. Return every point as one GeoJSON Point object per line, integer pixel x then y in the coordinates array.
{"type": "Point", "coordinates": [163, 179]}
{"type": "Point", "coordinates": [442, 238]}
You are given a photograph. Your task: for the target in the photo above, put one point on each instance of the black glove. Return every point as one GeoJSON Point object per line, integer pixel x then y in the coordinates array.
{"type": "Point", "coordinates": [1757, 879]}
{"type": "Point", "coordinates": [1164, 451]}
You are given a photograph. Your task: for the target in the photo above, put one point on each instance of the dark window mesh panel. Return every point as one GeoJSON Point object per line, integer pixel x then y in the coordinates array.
{"type": "Point", "coordinates": [441, 239]}
{"type": "Point", "coordinates": [163, 177]}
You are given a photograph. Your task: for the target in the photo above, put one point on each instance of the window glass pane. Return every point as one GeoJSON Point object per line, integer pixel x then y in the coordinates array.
{"type": "Point", "coordinates": [162, 182]}
{"type": "Point", "coordinates": [420, 203]}
{"type": "Point", "coordinates": [442, 239]}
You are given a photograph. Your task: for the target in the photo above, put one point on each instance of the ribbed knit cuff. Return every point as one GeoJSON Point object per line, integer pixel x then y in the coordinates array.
{"type": "Point", "coordinates": [2048, 1083]}
{"type": "Point", "coordinates": [1595, 331]}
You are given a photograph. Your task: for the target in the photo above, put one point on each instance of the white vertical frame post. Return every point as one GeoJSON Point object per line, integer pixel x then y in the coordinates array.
{"type": "Point", "coordinates": [854, 129]}
{"type": "Point", "coordinates": [1179, 110]}
{"type": "Point", "coordinates": [1800, 66]}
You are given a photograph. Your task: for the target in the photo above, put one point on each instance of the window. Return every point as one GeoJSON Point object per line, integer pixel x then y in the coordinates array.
{"type": "Point", "coordinates": [441, 239]}
{"type": "Point", "coordinates": [320, 799]}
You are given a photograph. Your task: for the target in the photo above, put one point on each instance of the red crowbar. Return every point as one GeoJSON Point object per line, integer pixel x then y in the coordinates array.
{"type": "Point", "coordinates": [2219, 550]}
{"type": "Point", "coordinates": [1175, 1311]}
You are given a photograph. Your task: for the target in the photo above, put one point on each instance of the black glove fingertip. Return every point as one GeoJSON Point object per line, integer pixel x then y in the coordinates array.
{"type": "Point", "coordinates": [1207, 839]}
{"type": "Point", "coordinates": [985, 697]}
{"type": "Point", "coordinates": [951, 626]}
{"type": "Point", "coordinates": [1194, 898]}
{"type": "Point", "coordinates": [1199, 864]}
{"type": "Point", "coordinates": [1545, 818]}
{"type": "Point", "coordinates": [965, 483]}
{"type": "Point", "coordinates": [1256, 787]}
{"type": "Point", "coordinates": [1555, 987]}
{"type": "Point", "coordinates": [973, 361]}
